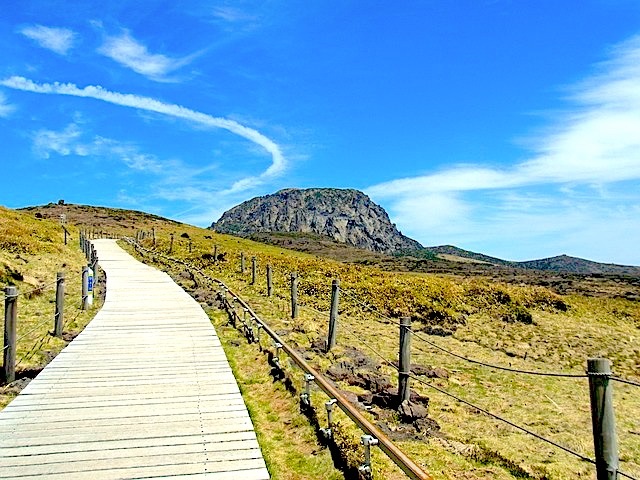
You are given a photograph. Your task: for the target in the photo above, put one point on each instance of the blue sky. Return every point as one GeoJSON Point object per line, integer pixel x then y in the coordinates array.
{"type": "Point", "coordinates": [506, 127]}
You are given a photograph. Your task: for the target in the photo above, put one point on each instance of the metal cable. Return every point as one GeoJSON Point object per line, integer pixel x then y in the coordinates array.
{"type": "Point", "coordinates": [498, 367]}
{"type": "Point", "coordinates": [493, 415]}
{"type": "Point", "coordinates": [622, 474]}
{"type": "Point", "coordinates": [32, 352]}
{"type": "Point", "coordinates": [376, 352]}
{"type": "Point", "coordinates": [313, 309]}
{"type": "Point", "coordinates": [32, 330]}
{"type": "Point", "coordinates": [369, 307]}
{"type": "Point", "coordinates": [624, 380]}
{"type": "Point", "coordinates": [41, 288]}
{"type": "Point", "coordinates": [504, 420]}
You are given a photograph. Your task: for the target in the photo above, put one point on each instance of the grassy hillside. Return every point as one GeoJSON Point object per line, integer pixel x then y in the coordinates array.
{"type": "Point", "coordinates": [524, 327]}
{"type": "Point", "coordinates": [516, 320]}
{"type": "Point", "coordinates": [32, 251]}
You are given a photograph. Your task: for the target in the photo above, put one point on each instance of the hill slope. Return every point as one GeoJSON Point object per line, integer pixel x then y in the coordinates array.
{"type": "Point", "coordinates": [344, 215]}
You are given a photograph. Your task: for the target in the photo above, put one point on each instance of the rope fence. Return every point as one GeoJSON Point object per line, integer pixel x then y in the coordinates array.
{"type": "Point", "coordinates": [11, 295]}
{"type": "Point", "coordinates": [462, 357]}
{"type": "Point", "coordinates": [468, 403]}
{"type": "Point", "coordinates": [594, 377]}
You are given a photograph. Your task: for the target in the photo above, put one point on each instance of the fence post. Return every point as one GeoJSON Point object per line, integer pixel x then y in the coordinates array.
{"type": "Point", "coordinates": [171, 245]}
{"type": "Point", "coordinates": [269, 281]}
{"type": "Point", "coordinates": [190, 245]}
{"type": "Point", "coordinates": [241, 262]}
{"type": "Point", "coordinates": [333, 314]}
{"type": "Point", "coordinates": [254, 268]}
{"type": "Point", "coordinates": [153, 233]}
{"type": "Point", "coordinates": [294, 295]}
{"type": "Point", "coordinates": [10, 326]}
{"type": "Point", "coordinates": [603, 418]}
{"type": "Point", "coordinates": [59, 315]}
{"type": "Point", "coordinates": [85, 288]}
{"type": "Point", "coordinates": [215, 253]}
{"type": "Point", "coordinates": [404, 360]}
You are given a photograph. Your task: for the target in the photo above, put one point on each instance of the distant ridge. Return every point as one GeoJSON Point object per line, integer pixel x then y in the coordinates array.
{"type": "Point", "coordinates": [438, 258]}
{"type": "Point", "coordinates": [451, 250]}
{"type": "Point", "coordinates": [560, 263]}
{"type": "Point", "coordinates": [565, 263]}
{"type": "Point", "coordinates": [345, 215]}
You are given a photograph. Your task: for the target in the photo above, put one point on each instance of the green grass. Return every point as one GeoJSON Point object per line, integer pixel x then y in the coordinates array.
{"type": "Point", "coordinates": [287, 441]}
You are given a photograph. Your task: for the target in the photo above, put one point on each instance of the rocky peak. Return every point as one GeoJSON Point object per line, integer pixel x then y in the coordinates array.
{"type": "Point", "coordinates": [346, 215]}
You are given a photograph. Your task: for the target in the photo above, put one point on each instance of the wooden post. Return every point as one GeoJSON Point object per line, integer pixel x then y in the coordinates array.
{"type": "Point", "coordinates": [333, 314]}
{"type": "Point", "coordinates": [190, 245]}
{"type": "Point", "coordinates": [294, 295]}
{"type": "Point", "coordinates": [171, 244]}
{"type": "Point", "coordinates": [215, 253]}
{"type": "Point", "coordinates": [269, 281]}
{"type": "Point", "coordinates": [254, 270]}
{"type": "Point", "coordinates": [59, 315]}
{"type": "Point", "coordinates": [603, 418]}
{"type": "Point", "coordinates": [94, 269]}
{"type": "Point", "coordinates": [153, 233]}
{"type": "Point", "coordinates": [85, 288]}
{"type": "Point", "coordinates": [10, 326]}
{"type": "Point", "coordinates": [404, 360]}
{"type": "Point", "coordinates": [241, 262]}
{"type": "Point", "coordinates": [65, 234]}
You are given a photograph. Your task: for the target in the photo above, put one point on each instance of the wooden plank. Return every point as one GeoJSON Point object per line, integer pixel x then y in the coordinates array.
{"type": "Point", "coordinates": [145, 391]}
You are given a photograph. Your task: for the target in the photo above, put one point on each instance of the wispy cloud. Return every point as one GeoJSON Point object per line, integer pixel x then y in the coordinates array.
{"type": "Point", "coordinates": [231, 14]}
{"type": "Point", "coordinates": [59, 40]}
{"type": "Point", "coordinates": [6, 109]}
{"type": "Point", "coordinates": [278, 163]}
{"type": "Point", "coordinates": [65, 142]}
{"type": "Point", "coordinates": [596, 143]}
{"type": "Point", "coordinates": [132, 54]}
{"type": "Point", "coordinates": [73, 141]}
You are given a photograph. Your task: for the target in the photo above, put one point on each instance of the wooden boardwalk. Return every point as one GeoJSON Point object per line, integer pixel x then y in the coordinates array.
{"type": "Point", "coordinates": [145, 391]}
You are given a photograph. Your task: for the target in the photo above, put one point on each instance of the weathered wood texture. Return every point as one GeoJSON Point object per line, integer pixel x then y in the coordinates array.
{"type": "Point", "coordinates": [145, 391]}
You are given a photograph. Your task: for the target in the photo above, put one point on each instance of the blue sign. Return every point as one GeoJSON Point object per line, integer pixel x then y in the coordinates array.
{"type": "Point", "coordinates": [90, 283]}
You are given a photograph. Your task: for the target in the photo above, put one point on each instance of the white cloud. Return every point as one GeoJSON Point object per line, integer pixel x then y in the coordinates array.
{"type": "Point", "coordinates": [231, 14]}
{"type": "Point", "coordinates": [63, 143]}
{"type": "Point", "coordinates": [59, 40]}
{"type": "Point", "coordinates": [71, 141]}
{"type": "Point", "coordinates": [6, 109]}
{"type": "Point", "coordinates": [598, 143]}
{"type": "Point", "coordinates": [127, 51]}
{"type": "Point", "coordinates": [278, 162]}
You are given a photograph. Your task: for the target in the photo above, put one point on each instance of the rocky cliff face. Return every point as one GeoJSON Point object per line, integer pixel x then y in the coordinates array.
{"type": "Point", "coordinates": [347, 216]}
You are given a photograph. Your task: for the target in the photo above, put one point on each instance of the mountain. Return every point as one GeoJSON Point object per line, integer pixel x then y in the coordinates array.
{"type": "Point", "coordinates": [565, 263]}
{"type": "Point", "coordinates": [561, 263]}
{"type": "Point", "coordinates": [345, 215]}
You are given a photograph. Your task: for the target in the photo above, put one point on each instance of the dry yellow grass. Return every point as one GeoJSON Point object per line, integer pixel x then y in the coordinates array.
{"type": "Point", "coordinates": [472, 445]}
{"type": "Point", "coordinates": [563, 333]}
{"type": "Point", "coordinates": [32, 252]}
